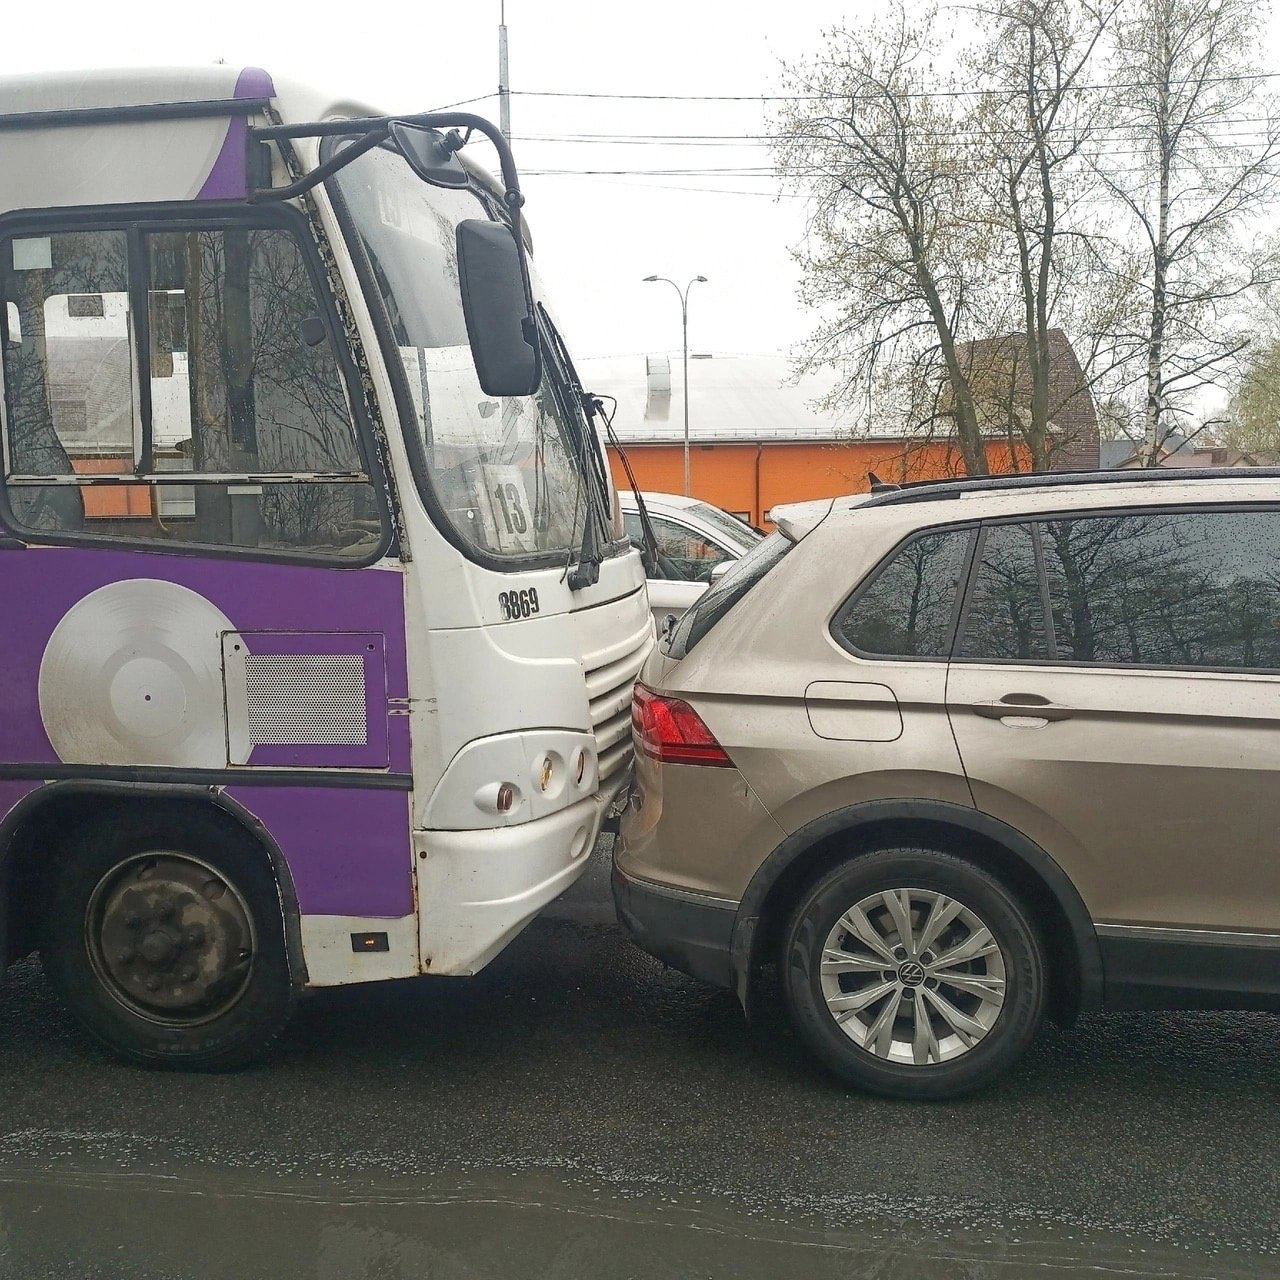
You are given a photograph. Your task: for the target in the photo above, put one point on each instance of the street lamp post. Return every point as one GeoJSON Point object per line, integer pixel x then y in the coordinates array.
{"type": "Point", "coordinates": [683, 295]}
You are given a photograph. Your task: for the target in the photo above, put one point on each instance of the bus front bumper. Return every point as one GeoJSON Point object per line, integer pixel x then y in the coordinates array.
{"type": "Point", "coordinates": [478, 889]}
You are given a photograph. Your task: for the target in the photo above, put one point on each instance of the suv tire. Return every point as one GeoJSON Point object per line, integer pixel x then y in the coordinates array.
{"type": "Point", "coordinates": [876, 945]}
{"type": "Point", "coordinates": [169, 950]}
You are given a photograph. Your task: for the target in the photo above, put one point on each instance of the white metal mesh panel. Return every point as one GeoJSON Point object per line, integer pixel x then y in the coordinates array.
{"type": "Point", "coordinates": [306, 699]}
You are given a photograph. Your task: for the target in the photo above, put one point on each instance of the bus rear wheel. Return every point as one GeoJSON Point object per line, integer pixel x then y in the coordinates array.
{"type": "Point", "coordinates": [168, 947]}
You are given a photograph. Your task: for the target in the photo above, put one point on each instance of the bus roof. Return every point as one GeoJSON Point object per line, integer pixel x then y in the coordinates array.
{"type": "Point", "coordinates": [122, 89]}
{"type": "Point", "coordinates": [131, 136]}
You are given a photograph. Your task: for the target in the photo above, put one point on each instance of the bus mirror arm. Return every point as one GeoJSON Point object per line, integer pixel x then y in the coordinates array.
{"type": "Point", "coordinates": [339, 160]}
{"type": "Point", "coordinates": [371, 130]}
{"type": "Point", "coordinates": [433, 158]}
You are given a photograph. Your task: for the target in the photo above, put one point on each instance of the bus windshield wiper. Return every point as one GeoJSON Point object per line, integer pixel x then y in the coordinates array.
{"type": "Point", "coordinates": [594, 406]}
{"type": "Point", "coordinates": [586, 572]}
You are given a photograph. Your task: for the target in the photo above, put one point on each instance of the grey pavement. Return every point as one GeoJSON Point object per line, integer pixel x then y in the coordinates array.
{"type": "Point", "coordinates": [578, 1109]}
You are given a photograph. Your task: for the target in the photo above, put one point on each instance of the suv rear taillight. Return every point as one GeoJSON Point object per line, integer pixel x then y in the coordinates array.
{"type": "Point", "coordinates": [670, 730]}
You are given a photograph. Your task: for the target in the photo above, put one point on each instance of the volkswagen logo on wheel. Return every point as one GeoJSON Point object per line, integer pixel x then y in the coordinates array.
{"type": "Point", "coordinates": [911, 974]}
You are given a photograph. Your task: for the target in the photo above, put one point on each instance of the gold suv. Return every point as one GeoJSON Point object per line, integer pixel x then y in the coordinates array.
{"type": "Point", "coordinates": [956, 754]}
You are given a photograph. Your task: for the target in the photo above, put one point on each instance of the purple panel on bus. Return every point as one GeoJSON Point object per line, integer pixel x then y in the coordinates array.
{"type": "Point", "coordinates": [42, 584]}
{"type": "Point", "coordinates": [227, 178]}
{"type": "Point", "coordinates": [347, 849]}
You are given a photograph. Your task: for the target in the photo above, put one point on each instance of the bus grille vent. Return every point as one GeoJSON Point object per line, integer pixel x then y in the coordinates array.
{"type": "Point", "coordinates": [609, 694]}
{"type": "Point", "coordinates": [305, 698]}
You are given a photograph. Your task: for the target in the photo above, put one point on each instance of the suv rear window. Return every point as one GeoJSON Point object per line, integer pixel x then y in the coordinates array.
{"type": "Point", "coordinates": [907, 607]}
{"type": "Point", "coordinates": [1006, 614]}
{"type": "Point", "coordinates": [1156, 588]}
{"type": "Point", "coordinates": [710, 608]}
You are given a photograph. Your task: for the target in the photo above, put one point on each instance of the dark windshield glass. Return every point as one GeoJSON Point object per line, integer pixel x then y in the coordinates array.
{"type": "Point", "coordinates": [503, 470]}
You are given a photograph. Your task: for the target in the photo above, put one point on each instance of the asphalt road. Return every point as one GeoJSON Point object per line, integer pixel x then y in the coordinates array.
{"type": "Point", "coordinates": [579, 1110]}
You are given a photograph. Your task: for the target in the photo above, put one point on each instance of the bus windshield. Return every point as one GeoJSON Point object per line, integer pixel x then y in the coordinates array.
{"type": "Point", "coordinates": [506, 473]}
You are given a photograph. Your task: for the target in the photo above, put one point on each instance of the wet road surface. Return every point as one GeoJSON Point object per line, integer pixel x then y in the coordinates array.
{"type": "Point", "coordinates": [578, 1110]}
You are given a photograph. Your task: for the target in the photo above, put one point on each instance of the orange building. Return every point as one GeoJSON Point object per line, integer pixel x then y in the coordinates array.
{"type": "Point", "coordinates": [749, 477]}
{"type": "Point", "coordinates": [759, 437]}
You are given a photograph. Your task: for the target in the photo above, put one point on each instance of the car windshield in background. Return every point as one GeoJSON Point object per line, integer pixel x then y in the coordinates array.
{"type": "Point", "coordinates": [735, 584]}
{"type": "Point", "coordinates": [503, 470]}
{"type": "Point", "coordinates": [739, 532]}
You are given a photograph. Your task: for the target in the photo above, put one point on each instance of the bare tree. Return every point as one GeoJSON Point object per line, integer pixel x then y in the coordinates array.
{"type": "Point", "coordinates": [1037, 117]}
{"type": "Point", "coordinates": [1193, 157]}
{"type": "Point", "coordinates": [892, 263]}
{"type": "Point", "coordinates": [955, 252]}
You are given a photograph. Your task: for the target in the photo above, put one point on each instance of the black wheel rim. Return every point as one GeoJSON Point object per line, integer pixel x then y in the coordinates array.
{"type": "Point", "coordinates": [170, 938]}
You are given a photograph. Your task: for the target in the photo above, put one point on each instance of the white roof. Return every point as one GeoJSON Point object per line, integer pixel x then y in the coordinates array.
{"type": "Point", "coordinates": [730, 398]}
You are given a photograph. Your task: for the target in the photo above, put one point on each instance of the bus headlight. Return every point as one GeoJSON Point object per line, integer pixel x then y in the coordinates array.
{"type": "Point", "coordinates": [511, 778]}
{"type": "Point", "coordinates": [498, 798]}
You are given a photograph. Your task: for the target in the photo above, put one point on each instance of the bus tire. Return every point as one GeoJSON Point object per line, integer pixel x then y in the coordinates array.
{"type": "Point", "coordinates": [169, 948]}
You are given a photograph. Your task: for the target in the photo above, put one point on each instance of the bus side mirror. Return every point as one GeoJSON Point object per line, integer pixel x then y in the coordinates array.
{"type": "Point", "coordinates": [431, 154]}
{"type": "Point", "coordinates": [503, 335]}
{"type": "Point", "coordinates": [13, 331]}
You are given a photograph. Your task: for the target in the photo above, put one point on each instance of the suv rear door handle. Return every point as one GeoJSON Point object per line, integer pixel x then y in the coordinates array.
{"type": "Point", "coordinates": [1022, 710]}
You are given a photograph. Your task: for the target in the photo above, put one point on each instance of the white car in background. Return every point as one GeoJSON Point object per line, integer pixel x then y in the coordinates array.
{"type": "Point", "coordinates": [693, 538]}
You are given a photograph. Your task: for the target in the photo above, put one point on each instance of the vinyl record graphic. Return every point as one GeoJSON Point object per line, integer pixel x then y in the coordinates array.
{"type": "Point", "coordinates": [132, 674]}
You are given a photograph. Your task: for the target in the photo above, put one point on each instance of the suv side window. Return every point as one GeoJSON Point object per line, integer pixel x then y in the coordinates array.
{"type": "Point", "coordinates": [907, 608]}
{"type": "Point", "coordinates": [1005, 616]}
{"type": "Point", "coordinates": [1166, 588]}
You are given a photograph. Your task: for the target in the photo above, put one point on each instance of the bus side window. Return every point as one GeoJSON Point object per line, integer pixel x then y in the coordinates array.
{"type": "Point", "coordinates": [243, 383]}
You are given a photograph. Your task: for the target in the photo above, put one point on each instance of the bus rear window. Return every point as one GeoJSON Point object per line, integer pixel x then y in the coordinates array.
{"type": "Point", "coordinates": [710, 608]}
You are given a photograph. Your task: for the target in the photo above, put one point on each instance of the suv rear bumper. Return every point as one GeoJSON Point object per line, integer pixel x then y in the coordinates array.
{"type": "Point", "coordinates": [691, 932]}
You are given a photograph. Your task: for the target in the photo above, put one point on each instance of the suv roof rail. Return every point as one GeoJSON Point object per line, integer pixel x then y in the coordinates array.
{"type": "Point", "coordinates": [937, 490]}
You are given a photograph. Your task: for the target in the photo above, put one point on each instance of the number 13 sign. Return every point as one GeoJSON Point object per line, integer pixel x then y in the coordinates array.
{"type": "Point", "coordinates": [510, 517]}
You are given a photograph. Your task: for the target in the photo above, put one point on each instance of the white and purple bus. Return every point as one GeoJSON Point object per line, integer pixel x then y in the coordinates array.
{"type": "Point", "coordinates": [321, 623]}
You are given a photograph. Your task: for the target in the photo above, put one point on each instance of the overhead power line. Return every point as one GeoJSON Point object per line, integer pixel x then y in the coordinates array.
{"type": "Point", "coordinates": [977, 91]}
{"type": "Point", "coordinates": [1250, 137]}
{"type": "Point", "coordinates": [463, 102]}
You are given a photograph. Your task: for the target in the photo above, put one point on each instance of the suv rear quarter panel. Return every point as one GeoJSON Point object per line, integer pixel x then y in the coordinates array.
{"type": "Point", "coordinates": [721, 830]}
{"type": "Point", "coordinates": [748, 680]}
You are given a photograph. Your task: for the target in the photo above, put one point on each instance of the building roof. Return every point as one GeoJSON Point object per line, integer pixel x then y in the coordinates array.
{"type": "Point", "coordinates": [744, 398]}
{"type": "Point", "coordinates": [1182, 452]}
{"type": "Point", "coordinates": [759, 398]}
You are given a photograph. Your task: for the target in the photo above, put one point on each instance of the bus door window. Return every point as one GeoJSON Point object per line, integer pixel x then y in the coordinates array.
{"type": "Point", "coordinates": [242, 378]}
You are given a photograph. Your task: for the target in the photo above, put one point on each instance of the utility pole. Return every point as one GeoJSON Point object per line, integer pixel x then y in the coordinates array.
{"type": "Point", "coordinates": [683, 295]}
{"type": "Point", "coordinates": [504, 79]}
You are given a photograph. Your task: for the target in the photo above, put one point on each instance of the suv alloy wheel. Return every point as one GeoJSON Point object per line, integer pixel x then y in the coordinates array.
{"type": "Point", "coordinates": [913, 973]}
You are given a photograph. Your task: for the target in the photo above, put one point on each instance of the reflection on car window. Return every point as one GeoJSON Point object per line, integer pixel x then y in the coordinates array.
{"type": "Point", "coordinates": [1184, 588]}
{"type": "Point", "coordinates": [908, 607]}
{"type": "Point", "coordinates": [723, 595]}
{"type": "Point", "coordinates": [683, 555]}
{"type": "Point", "coordinates": [1005, 617]}
{"type": "Point", "coordinates": [736, 531]}
{"type": "Point", "coordinates": [632, 527]}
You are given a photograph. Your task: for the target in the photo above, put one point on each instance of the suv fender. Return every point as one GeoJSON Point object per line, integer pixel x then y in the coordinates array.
{"type": "Point", "coordinates": [746, 949]}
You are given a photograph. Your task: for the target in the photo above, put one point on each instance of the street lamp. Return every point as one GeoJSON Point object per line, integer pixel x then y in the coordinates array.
{"type": "Point", "coordinates": [683, 295]}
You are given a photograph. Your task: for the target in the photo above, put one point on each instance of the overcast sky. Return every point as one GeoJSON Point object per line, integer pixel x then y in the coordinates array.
{"type": "Point", "coordinates": [595, 236]}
